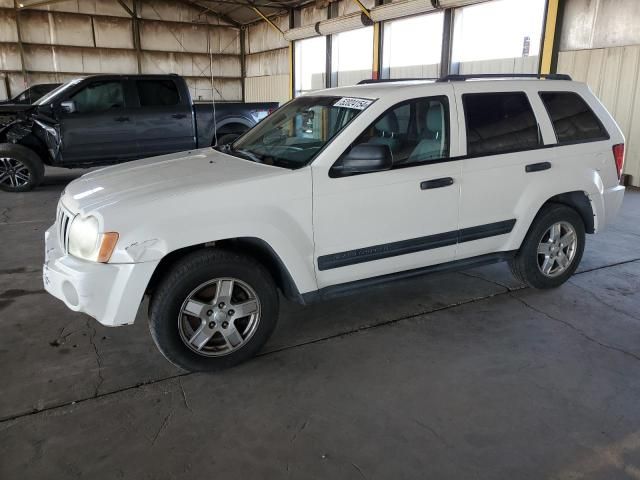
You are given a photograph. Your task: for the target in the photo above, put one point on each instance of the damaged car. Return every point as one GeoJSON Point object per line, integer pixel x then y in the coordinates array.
{"type": "Point", "coordinates": [107, 119]}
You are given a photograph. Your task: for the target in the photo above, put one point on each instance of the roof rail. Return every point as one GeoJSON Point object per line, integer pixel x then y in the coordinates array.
{"type": "Point", "coordinates": [368, 81]}
{"type": "Point", "coordinates": [462, 78]}
{"type": "Point", "coordinates": [548, 76]}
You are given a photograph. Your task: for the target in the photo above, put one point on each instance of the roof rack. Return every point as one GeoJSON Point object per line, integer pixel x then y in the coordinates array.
{"type": "Point", "coordinates": [367, 81]}
{"type": "Point", "coordinates": [462, 78]}
{"type": "Point", "coordinates": [548, 76]}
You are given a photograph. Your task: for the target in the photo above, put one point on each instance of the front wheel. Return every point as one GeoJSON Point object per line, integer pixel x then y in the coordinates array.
{"type": "Point", "coordinates": [552, 250]}
{"type": "Point", "coordinates": [213, 310]}
{"type": "Point", "coordinates": [21, 169]}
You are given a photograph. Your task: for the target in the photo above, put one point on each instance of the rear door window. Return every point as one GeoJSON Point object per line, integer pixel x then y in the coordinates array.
{"type": "Point", "coordinates": [573, 120]}
{"type": "Point", "coordinates": [499, 123]}
{"type": "Point", "coordinates": [157, 93]}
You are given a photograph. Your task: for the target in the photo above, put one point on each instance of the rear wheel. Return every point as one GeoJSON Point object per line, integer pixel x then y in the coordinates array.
{"type": "Point", "coordinates": [21, 169]}
{"type": "Point", "coordinates": [553, 248]}
{"type": "Point", "coordinates": [213, 310]}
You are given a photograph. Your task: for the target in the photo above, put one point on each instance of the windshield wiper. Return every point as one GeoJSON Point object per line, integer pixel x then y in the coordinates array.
{"type": "Point", "coordinates": [247, 154]}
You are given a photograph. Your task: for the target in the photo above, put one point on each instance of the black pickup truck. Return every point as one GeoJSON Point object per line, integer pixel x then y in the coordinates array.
{"type": "Point", "coordinates": [105, 119]}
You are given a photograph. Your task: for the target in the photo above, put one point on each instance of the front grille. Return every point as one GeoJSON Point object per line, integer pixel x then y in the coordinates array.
{"type": "Point", "coordinates": [63, 224]}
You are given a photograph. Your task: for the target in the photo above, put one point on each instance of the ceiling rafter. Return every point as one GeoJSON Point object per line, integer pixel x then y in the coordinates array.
{"type": "Point", "coordinates": [206, 10]}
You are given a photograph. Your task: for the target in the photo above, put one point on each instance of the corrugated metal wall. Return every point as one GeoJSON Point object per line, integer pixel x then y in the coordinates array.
{"type": "Point", "coordinates": [613, 75]}
{"type": "Point", "coordinates": [600, 45]}
{"type": "Point", "coordinates": [80, 37]}
{"type": "Point", "coordinates": [267, 62]}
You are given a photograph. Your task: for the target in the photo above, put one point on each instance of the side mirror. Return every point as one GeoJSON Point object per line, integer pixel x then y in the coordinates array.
{"type": "Point", "coordinates": [363, 158]}
{"type": "Point", "coordinates": [68, 106]}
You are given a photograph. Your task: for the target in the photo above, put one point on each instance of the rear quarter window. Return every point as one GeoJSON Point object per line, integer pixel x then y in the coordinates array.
{"type": "Point", "coordinates": [499, 123]}
{"type": "Point", "coordinates": [572, 119]}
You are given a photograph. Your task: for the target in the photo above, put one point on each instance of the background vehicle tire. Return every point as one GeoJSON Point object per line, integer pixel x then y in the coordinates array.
{"type": "Point", "coordinates": [552, 249]}
{"type": "Point", "coordinates": [228, 138]}
{"type": "Point", "coordinates": [213, 310]}
{"type": "Point", "coordinates": [21, 169]}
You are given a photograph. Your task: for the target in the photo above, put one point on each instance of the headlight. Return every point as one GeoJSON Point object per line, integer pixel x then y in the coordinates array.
{"type": "Point", "coordinates": [86, 241]}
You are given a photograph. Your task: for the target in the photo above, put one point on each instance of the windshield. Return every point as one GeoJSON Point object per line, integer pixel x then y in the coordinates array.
{"type": "Point", "coordinates": [292, 136]}
{"type": "Point", "coordinates": [53, 93]}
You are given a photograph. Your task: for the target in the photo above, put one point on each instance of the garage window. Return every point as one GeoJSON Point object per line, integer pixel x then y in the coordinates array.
{"type": "Point", "coordinates": [499, 123]}
{"type": "Point", "coordinates": [399, 57]}
{"type": "Point", "coordinates": [498, 36]}
{"type": "Point", "coordinates": [573, 120]}
{"type": "Point", "coordinates": [99, 97]}
{"type": "Point", "coordinates": [351, 56]}
{"type": "Point", "coordinates": [157, 93]}
{"type": "Point", "coordinates": [310, 64]}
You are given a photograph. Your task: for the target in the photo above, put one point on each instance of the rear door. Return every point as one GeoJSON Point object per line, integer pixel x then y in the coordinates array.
{"type": "Point", "coordinates": [505, 154]}
{"type": "Point", "coordinates": [163, 118]}
{"type": "Point", "coordinates": [100, 128]}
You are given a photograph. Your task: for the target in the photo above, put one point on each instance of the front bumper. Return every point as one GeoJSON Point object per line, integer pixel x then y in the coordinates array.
{"type": "Point", "coordinates": [110, 293]}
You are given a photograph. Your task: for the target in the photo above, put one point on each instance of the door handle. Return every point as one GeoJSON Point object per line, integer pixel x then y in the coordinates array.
{"type": "Point", "coordinates": [437, 183]}
{"type": "Point", "coordinates": [122, 119]}
{"type": "Point", "coordinates": [537, 167]}
{"type": "Point", "coordinates": [179, 115]}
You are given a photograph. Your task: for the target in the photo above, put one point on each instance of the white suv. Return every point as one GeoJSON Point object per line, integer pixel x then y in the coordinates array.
{"type": "Point", "coordinates": [338, 190]}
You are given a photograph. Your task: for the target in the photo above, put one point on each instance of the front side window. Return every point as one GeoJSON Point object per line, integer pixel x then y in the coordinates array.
{"type": "Point", "coordinates": [99, 97]}
{"type": "Point", "coordinates": [573, 120]}
{"type": "Point", "coordinates": [499, 123]}
{"type": "Point", "coordinates": [416, 131]}
{"type": "Point", "coordinates": [157, 93]}
{"type": "Point", "coordinates": [293, 135]}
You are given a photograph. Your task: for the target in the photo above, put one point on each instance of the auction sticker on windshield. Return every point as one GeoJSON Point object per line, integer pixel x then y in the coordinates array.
{"type": "Point", "coordinates": [355, 103]}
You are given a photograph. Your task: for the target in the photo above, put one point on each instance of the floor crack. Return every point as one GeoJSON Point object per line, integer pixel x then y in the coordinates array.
{"type": "Point", "coordinates": [4, 215]}
{"type": "Point", "coordinates": [92, 341]}
{"type": "Point", "coordinates": [295, 435]}
{"type": "Point", "coordinates": [162, 427]}
{"type": "Point", "coordinates": [184, 395]}
{"type": "Point", "coordinates": [433, 432]}
{"type": "Point", "coordinates": [576, 329]}
{"type": "Point", "coordinates": [355, 465]}
{"type": "Point", "coordinates": [598, 299]}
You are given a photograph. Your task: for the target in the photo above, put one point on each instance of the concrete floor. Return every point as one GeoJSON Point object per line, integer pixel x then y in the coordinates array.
{"type": "Point", "coordinates": [459, 375]}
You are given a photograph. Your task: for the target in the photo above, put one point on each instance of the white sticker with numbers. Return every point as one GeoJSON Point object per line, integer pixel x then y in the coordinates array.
{"type": "Point", "coordinates": [355, 103]}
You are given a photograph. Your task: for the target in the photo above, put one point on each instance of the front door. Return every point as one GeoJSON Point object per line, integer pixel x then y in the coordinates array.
{"type": "Point", "coordinates": [100, 127]}
{"type": "Point", "coordinates": [373, 224]}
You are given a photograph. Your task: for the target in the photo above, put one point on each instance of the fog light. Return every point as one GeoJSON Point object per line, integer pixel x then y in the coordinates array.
{"type": "Point", "coordinates": [70, 294]}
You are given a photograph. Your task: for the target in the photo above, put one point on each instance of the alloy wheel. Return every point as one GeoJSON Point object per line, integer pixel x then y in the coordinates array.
{"type": "Point", "coordinates": [219, 316]}
{"type": "Point", "coordinates": [13, 173]}
{"type": "Point", "coordinates": [557, 249]}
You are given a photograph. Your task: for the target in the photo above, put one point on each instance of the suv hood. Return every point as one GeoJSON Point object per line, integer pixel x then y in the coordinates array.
{"type": "Point", "coordinates": [168, 175]}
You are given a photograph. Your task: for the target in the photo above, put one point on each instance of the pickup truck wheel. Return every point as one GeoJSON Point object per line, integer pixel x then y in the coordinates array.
{"type": "Point", "coordinates": [213, 310]}
{"type": "Point", "coordinates": [552, 249]}
{"type": "Point", "coordinates": [228, 138]}
{"type": "Point", "coordinates": [21, 169]}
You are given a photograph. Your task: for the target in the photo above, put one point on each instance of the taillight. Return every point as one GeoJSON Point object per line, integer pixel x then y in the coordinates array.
{"type": "Point", "coordinates": [618, 155]}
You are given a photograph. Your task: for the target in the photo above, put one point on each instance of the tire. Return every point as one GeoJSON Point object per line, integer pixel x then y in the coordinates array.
{"type": "Point", "coordinates": [228, 138]}
{"type": "Point", "coordinates": [21, 169]}
{"type": "Point", "coordinates": [528, 264]}
{"type": "Point", "coordinates": [177, 314]}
